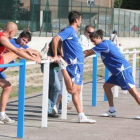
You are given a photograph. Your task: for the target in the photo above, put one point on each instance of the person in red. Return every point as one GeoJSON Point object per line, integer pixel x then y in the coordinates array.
{"type": "Point", "coordinates": [11, 54]}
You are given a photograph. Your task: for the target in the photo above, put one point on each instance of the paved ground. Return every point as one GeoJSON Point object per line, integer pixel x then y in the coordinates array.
{"type": "Point", "coordinates": [123, 127]}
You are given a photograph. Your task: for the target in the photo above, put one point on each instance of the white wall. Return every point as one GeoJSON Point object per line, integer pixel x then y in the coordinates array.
{"type": "Point", "coordinates": [38, 43]}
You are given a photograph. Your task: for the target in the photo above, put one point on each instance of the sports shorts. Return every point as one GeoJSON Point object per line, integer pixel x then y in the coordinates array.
{"type": "Point", "coordinates": [76, 73]}
{"type": "Point", "coordinates": [1, 62]}
{"type": "Point", "coordinates": [124, 79]}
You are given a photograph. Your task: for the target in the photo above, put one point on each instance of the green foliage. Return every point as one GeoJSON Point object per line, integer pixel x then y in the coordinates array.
{"type": "Point", "coordinates": [10, 9]}
{"type": "Point", "coordinates": [118, 3]}
{"type": "Point", "coordinates": [127, 4]}
{"type": "Point", "coordinates": [2, 25]}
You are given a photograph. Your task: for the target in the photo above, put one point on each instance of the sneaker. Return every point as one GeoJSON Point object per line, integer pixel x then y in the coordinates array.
{"type": "Point", "coordinates": [137, 117]}
{"type": "Point", "coordinates": [53, 115]}
{"type": "Point", "coordinates": [6, 119]}
{"type": "Point", "coordinates": [109, 114]}
{"type": "Point", "coordinates": [62, 64]}
{"type": "Point", "coordinates": [86, 119]}
{"type": "Point", "coordinates": [54, 110]}
{"type": "Point", "coordinates": [44, 51]}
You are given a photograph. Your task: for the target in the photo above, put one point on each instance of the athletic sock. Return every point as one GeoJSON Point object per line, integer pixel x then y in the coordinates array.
{"type": "Point", "coordinates": [80, 115]}
{"type": "Point", "coordinates": [2, 114]}
{"type": "Point", "coordinates": [112, 109]}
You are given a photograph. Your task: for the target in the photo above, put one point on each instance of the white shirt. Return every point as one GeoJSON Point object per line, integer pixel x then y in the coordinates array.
{"type": "Point", "coordinates": [113, 38]}
{"type": "Point", "coordinates": [85, 42]}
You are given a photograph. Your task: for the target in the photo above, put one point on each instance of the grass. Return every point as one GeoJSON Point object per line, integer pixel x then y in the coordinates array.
{"type": "Point", "coordinates": [39, 80]}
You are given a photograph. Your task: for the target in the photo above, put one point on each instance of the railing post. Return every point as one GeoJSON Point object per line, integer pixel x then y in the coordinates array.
{"type": "Point", "coordinates": [116, 91]}
{"type": "Point", "coordinates": [64, 100]}
{"type": "Point", "coordinates": [45, 94]}
{"type": "Point", "coordinates": [21, 99]}
{"type": "Point", "coordinates": [134, 64]}
{"type": "Point", "coordinates": [94, 81]}
{"type": "Point", "coordinates": [106, 78]}
{"type": "Point", "coordinates": [127, 58]}
{"type": "Point", "coordinates": [139, 69]}
{"type": "Point", "coordinates": [81, 95]}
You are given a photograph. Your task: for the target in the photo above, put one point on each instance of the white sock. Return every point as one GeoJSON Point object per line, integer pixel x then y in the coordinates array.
{"type": "Point", "coordinates": [112, 108]}
{"type": "Point", "coordinates": [2, 114]}
{"type": "Point", "coordinates": [80, 115]}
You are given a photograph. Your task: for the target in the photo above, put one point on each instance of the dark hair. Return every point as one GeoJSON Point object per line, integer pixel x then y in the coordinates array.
{"type": "Point", "coordinates": [88, 27]}
{"type": "Point", "coordinates": [73, 15]}
{"type": "Point", "coordinates": [114, 32]}
{"type": "Point", "coordinates": [96, 34]}
{"type": "Point", "coordinates": [25, 34]}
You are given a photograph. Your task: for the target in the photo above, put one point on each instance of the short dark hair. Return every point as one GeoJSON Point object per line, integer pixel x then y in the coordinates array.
{"type": "Point", "coordinates": [114, 32]}
{"type": "Point", "coordinates": [96, 34]}
{"type": "Point", "coordinates": [25, 34]}
{"type": "Point", "coordinates": [73, 15]}
{"type": "Point", "coordinates": [88, 27]}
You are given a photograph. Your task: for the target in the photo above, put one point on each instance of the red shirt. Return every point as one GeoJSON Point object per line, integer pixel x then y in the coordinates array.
{"type": "Point", "coordinates": [2, 48]}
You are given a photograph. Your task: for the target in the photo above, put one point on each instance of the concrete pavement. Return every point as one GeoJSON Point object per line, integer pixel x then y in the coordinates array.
{"type": "Point", "coordinates": [123, 127]}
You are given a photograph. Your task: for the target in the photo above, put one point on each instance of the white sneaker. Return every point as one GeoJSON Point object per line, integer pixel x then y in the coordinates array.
{"type": "Point", "coordinates": [44, 51]}
{"type": "Point", "coordinates": [137, 117]}
{"type": "Point", "coordinates": [62, 64]}
{"type": "Point", "coordinates": [6, 119]}
{"type": "Point", "coordinates": [54, 110]}
{"type": "Point", "coordinates": [85, 119]}
{"type": "Point", "coordinates": [109, 114]}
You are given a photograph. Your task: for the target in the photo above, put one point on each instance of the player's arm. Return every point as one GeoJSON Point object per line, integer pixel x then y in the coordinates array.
{"type": "Point", "coordinates": [32, 51]}
{"type": "Point", "coordinates": [88, 52]}
{"type": "Point", "coordinates": [55, 43]}
{"type": "Point", "coordinates": [60, 49]}
{"type": "Point", "coordinates": [5, 42]}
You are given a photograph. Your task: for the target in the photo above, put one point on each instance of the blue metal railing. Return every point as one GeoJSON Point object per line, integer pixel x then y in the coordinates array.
{"type": "Point", "coordinates": [21, 100]}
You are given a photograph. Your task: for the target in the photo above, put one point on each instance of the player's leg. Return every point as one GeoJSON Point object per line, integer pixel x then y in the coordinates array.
{"type": "Point", "coordinates": [110, 83]}
{"type": "Point", "coordinates": [135, 94]}
{"type": "Point", "coordinates": [8, 57]}
{"type": "Point", "coordinates": [73, 81]}
{"type": "Point", "coordinates": [6, 90]}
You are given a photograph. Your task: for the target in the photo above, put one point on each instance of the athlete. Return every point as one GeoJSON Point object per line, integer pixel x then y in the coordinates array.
{"type": "Point", "coordinates": [11, 54]}
{"type": "Point", "coordinates": [73, 55]}
{"type": "Point", "coordinates": [119, 67]}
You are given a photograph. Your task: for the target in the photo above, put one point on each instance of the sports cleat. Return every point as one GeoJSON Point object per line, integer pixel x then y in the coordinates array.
{"type": "Point", "coordinates": [86, 119]}
{"type": "Point", "coordinates": [109, 114]}
{"type": "Point", "coordinates": [137, 117]}
{"type": "Point", "coordinates": [62, 64]}
{"type": "Point", "coordinates": [6, 119]}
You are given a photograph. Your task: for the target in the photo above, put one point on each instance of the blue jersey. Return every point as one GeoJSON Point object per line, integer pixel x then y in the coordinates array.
{"type": "Point", "coordinates": [13, 41]}
{"type": "Point", "coordinates": [112, 57]}
{"type": "Point", "coordinates": [73, 52]}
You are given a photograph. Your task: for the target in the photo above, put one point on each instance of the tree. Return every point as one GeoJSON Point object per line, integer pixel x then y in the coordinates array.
{"type": "Point", "coordinates": [118, 3]}
{"type": "Point", "coordinates": [127, 4]}
{"type": "Point", "coordinates": [131, 4]}
{"type": "Point", "coordinates": [10, 9]}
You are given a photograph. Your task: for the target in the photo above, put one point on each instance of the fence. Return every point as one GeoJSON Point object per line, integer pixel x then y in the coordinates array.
{"type": "Point", "coordinates": [46, 17]}
{"type": "Point", "coordinates": [22, 64]}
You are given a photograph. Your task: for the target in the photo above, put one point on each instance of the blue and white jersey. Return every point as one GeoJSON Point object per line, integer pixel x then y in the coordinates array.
{"type": "Point", "coordinates": [73, 52]}
{"type": "Point", "coordinates": [112, 57]}
{"type": "Point", "coordinates": [13, 41]}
